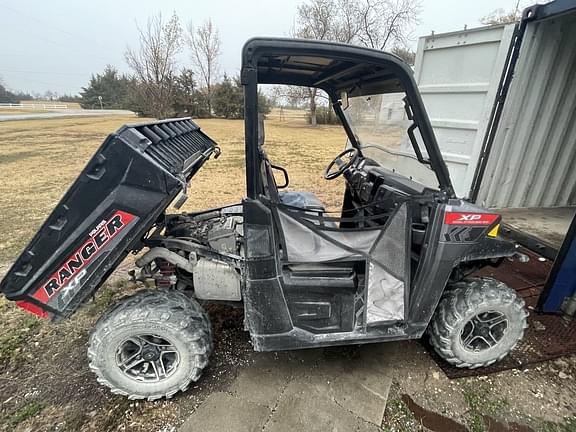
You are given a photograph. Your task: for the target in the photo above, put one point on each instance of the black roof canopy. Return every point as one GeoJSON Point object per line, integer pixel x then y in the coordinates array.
{"type": "Point", "coordinates": [330, 66]}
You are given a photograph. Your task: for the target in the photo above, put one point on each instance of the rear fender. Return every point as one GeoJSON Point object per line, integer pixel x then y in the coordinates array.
{"type": "Point", "coordinates": [478, 229]}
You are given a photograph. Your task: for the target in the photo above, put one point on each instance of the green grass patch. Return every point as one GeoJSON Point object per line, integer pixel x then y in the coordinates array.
{"type": "Point", "coordinates": [568, 426]}
{"type": "Point", "coordinates": [13, 340]}
{"type": "Point", "coordinates": [11, 347]}
{"type": "Point", "coordinates": [398, 417]}
{"type": "Point", "coordinates": [26, 412]}
{"type": "Point", "coordinates": [482, 402]}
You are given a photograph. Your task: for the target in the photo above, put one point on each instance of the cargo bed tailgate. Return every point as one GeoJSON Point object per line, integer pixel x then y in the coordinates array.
{"type": "Point", "coordinates": [133, 177]}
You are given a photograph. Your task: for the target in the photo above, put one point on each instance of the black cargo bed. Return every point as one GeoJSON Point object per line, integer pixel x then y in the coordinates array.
{"type": "Point", "coordinates": [126, 186]}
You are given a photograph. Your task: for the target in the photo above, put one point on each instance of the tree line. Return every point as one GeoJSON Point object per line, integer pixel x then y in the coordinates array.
{"type": "Point", "coordinates": [15, 97]}
{"type": "Point", "coordinates": [157, 87]}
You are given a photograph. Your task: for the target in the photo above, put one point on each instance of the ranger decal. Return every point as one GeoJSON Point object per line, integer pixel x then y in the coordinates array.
{"type": "Point", "coordinates": [70, 272]}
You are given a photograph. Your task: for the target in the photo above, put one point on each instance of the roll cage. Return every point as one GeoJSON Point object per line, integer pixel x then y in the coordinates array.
{"type": "Point", "coordinates": [333, 68]}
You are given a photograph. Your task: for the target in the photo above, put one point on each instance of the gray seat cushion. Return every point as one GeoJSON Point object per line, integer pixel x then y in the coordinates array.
{"type": "Point", "coordinates": [304, 200]}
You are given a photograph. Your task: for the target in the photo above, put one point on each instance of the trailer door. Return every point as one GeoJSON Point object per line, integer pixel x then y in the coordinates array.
{"type": "Point", "coordinates": [458, 74]}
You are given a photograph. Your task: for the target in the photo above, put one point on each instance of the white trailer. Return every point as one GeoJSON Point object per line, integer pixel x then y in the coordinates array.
{"type": "Point", "coordinates": [502, 101]}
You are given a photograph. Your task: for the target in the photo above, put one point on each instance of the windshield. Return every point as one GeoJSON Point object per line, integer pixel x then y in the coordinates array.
{"type": "Point", "coordinates": [381, 125]}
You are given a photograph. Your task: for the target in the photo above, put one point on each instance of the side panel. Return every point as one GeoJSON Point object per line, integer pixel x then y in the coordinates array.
{"type": "Point", "coordinates": [458, 75]}
{"type": "Point", "coordinates": [291, 310]}
{"type": "Point", "coordinates": [265, 307]}
{"type": "Point", "coordinates": [459, 232]}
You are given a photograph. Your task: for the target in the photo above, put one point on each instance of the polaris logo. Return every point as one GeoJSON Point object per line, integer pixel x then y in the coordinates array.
{"type": "Point", "coordinates": [68, 277]}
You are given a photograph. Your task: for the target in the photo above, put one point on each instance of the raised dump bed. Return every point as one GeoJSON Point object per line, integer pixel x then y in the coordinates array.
{"type": "Point", "coordinates": [126, 186]}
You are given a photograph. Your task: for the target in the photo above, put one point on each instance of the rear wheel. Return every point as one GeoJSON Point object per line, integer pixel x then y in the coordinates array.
{"type": "Point", "coordinates": [478, 322]}
{"type": "Point", "coordinates": [151, 345]}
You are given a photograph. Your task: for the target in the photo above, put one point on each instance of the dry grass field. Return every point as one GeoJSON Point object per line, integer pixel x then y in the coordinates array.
{"type": "Point", "coordinates": [9, 111]}
{"type": "Point", "coordinates": [45, 382]}
{"type": "Point", "coordinates": [39, 159]}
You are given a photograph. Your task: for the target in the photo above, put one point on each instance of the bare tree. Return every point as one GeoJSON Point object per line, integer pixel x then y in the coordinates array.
{"type": "Point", "coordinates": [379, 24]}
{"type": "Point", "coordinates": [204, 43]}
{"type": "Point", "coordinates": [500, 16]}
{"type": "Point", "coordinates": [405, 54]}
{"type": "Point", "coordinates": [323, 20]}
{"type": "Point", "coordinates": [385, 23]}
{"type": "Point", "coordinates": [154, 64]}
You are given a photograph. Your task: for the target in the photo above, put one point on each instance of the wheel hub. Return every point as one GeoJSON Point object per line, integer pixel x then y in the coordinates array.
{"type": "Point", "coordinates": [148, 358]}
{"type": "Point", "coordinates": [484, 331]}
{"type": "Point", "coordinates": [150, 354]}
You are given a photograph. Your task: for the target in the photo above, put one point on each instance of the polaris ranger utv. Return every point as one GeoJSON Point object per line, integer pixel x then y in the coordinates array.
{"type": "Point", "coordinates": [392, 264]}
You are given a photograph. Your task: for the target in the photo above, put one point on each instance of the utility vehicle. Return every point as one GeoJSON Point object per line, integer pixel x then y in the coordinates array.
{"type": "Point", "coordinates": [393, 263]}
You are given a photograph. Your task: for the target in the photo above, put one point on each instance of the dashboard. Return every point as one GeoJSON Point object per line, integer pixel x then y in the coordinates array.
{"type": "Point", "coordinates": [377, 191]}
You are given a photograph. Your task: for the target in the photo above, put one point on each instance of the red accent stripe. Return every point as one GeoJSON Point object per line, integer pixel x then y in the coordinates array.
{"type": "Point", "coordinates": [460, 218]}
{"type": "Point", "coordinates": [32, 308]}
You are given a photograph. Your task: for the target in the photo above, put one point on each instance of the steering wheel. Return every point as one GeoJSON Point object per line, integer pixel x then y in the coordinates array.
{"type": "Point", "coordinates": [352, 153]}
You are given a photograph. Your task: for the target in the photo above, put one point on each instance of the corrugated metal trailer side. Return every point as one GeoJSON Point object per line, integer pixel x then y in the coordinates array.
{"type": "Point", "coordinates": [532, 160]}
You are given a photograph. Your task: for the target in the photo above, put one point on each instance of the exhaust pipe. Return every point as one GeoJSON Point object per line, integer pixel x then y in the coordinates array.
{"type": "Point", "coordinates": [172, 257]}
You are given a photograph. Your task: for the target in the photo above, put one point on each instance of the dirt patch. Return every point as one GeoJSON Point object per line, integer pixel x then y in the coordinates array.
{"type": "Point", "coordinates": [16, 156]}
{"type": "Point", "coordinates": [423, 398]}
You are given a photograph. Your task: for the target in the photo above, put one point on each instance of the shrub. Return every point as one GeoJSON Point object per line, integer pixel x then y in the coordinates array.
{"type": "Point", "coordinates": [324, 115]}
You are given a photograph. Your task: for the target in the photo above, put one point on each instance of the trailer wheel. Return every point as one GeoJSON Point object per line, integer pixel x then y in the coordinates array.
{"type": "Point", "coordinates": [478, 322]}
{"type": "Point", "coordinates": [151, 345]}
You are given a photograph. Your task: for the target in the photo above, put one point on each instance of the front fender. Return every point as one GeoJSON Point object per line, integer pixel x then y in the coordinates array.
{"type": "Point", "coordinates": [490, 248]}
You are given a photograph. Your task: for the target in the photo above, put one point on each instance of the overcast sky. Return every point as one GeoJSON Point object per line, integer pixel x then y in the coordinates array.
{"type": "Point", "coordinates": [56, 45]}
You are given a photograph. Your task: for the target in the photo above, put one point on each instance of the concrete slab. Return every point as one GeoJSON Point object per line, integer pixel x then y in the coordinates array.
{"type": "Point", "coordinates": [359, 385]}
{"type": "Point", "coordinates": [312, 390]}
{"type": "Point", "coordinates": [359, 398]}
{"type": "Point", "coordinates": [263, 381]}
{"type": "Point", "coordinates": [224, 412]}
{"type": "Point", "coordinates": [307, 407]}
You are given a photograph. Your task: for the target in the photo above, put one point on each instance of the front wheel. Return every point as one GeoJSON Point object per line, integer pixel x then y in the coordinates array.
{"type": "Point", "coordinates": [151, 345]}
{"type": "Point", "coordinates": [477, 323]}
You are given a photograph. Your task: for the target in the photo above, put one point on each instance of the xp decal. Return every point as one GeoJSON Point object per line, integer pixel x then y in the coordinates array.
{"type": "Point", "coordinates": [70, 274]}
{"type": "Point", "coordinates": [459, 218]}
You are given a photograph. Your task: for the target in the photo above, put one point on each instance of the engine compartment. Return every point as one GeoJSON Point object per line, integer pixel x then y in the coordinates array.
{"type": "Point", "coordinates": [220, 229]}
{"type": "Point", "coordinates": [211, 245]}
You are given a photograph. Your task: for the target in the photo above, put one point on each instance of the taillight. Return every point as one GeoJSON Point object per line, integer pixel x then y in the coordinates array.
{"type": "Point", "coordinates": [32, 308]}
